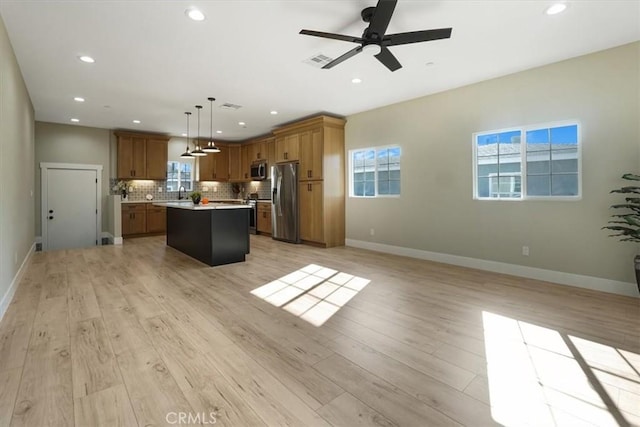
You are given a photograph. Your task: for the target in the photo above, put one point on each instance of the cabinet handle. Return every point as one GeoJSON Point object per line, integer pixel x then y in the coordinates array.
{"type": "Point", "coordinates": [286, 156]}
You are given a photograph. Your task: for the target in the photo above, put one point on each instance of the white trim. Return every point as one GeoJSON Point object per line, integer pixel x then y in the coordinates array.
{"type": "Point", "coordinates": [577, 280]}
{"type": "Point", "coordinates": [8, 296]}
{"type": "Point", "coordinates": [117, 240]}
{"type": "Point", "coordinates": [112, 240]}
{"type": "Point", "coordinates": [45, 166]}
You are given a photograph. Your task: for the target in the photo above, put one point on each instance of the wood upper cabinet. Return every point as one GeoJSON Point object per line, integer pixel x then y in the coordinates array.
{"type": "Point", "coordinates": [287, 147]}
{"type": "Point", "coordinates": [156, 158]}
{"type": "Point", "coordinates": [214, 166]}
{"type": "Point", "coordinates": [258, 151]}
{"type": "Point", "coordinates": [221, 164]}
{"type": "Point", "coordinates": [312, 211]}
{"type": "Point", "coordinates": [141, 156]}
{"type": "Point", "coordinates": [235, 162]}
{"type": "Point", "coordinates": [311, 155]}
{"type": "Point", "coordinates": [270, 148]}
{"type": "Point", "coordinates": [245, 163]}
{"type": "Point", "coordinates": [132, 160]}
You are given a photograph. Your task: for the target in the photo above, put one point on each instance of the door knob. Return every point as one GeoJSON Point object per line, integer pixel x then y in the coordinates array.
{"type": "Point", "coordinates": [50, 210]}
{"type": "Point", "coordinates": [51, 217]}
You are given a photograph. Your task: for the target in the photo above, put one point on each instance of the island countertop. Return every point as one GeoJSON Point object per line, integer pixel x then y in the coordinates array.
{"type": "Point", "coordinates": [201, 207]}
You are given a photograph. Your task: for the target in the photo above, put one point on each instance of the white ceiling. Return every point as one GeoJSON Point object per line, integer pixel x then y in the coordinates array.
{"type": "Point", "coordinates": [153, 63]}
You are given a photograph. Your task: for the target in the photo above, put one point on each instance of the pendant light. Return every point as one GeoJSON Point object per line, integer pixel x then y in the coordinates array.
{"type": "Point", "coordinates": [211, 146]}
{"type": "Point", "coordinates": [198, 151]}
{"type": "Point", "coordinates": [187, 154]}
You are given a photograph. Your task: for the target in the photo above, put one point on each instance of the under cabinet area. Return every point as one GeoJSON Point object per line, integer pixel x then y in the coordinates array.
{"type": "Point", "coordinates": [263, 221]}
{"type": "Point", "coordinates": [141, 156]}
{"type": "Point", "coordinates": [139, 219]}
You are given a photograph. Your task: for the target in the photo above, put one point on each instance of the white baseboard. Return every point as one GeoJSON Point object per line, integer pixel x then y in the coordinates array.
{"type": "Point", "coordinates": [112, 240]}
{"type": "Point", "coordinates": [117, 240]}
{"type": "Point", "coordinates": [577, 280]}
{"type": "Point", "coordinates": [8, 296]}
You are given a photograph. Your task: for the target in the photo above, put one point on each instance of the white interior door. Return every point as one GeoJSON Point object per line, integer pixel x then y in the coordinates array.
{"type": "Point", "coordinates": [71, 209]}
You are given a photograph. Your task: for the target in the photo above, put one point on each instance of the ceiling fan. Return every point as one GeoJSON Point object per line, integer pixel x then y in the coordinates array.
{"type": "Point", "coordinates": [374, 36]}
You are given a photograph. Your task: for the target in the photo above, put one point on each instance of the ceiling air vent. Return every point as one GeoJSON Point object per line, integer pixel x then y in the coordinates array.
{"type": "Point", "coordinates": [318, 60]}
{"type": "Point", "coordinates": [229, 106]}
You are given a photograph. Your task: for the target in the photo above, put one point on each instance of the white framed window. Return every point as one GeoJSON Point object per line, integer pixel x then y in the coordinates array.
{"type": "Point", "coordinates": [374, 172]}
{"type": "Point", "coordinates": [179, 174]}
{"type": "Point", "coordinates": [530, 162]}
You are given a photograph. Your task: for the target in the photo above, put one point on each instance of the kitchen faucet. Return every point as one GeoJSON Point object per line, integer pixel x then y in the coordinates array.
{"type": "Point", "coordinates": [180, 190]}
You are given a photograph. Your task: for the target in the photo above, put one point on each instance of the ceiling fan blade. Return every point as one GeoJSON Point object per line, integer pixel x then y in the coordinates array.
{"type": "Point", "coordinates": [344, 57]}
{"type": "Point", "coordinates": [416, 36]}
{"type": "Point", "coordinates": [332, 36]}
{"type": "Point", "coordinates": [386, 57]}
{"type": "Point", "coordinates": [381, 18]}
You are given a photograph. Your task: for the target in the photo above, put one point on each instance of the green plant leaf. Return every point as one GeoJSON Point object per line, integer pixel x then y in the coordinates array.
{"type": "Point", "coordinates": [625, 190]}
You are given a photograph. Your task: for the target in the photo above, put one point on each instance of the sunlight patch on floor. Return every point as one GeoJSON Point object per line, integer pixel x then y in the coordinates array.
{"type": "Point", "coordinates": [538, 376]}
{"type": "Point", "coordinates": [313, 293]}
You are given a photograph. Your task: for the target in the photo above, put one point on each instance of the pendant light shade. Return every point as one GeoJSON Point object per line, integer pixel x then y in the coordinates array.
{"type": "Point", "coordinates": [211, 146]}
{"type": "Point", "coordinates": [198, 151]}
{"type": "Point", "coordinates": [187, 154]}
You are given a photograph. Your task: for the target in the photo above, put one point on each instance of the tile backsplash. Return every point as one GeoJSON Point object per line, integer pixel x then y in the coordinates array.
{"type": "Point", "coordinates": [212, 190]}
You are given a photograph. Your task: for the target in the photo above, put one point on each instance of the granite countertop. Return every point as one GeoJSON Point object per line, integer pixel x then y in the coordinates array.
{"type": "Point", "coordinates": [209, 206]}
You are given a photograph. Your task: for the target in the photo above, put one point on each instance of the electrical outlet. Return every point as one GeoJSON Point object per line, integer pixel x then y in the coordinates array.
{"type": "Point", "coordinates": [215, 189]}
{"type": "Point", "coordinates": [372, 232]}
{"type": "Point", "coordinates": [205, 189]}
{"type": "Point", "coordinates": [159, 189]}
{"type": "Point", "coordinates": [525, 250]}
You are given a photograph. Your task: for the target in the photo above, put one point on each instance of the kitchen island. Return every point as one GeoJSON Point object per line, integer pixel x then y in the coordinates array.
{"type": "Point", "coordinates": [215, 233]}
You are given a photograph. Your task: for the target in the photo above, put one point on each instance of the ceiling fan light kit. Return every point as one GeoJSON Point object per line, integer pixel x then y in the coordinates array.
{"type": "Point", "coordinates": [375, 41]}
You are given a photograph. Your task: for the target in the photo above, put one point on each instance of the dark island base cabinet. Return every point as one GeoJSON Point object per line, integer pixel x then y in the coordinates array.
{"type": "Point", "coordinates": [214, 237]}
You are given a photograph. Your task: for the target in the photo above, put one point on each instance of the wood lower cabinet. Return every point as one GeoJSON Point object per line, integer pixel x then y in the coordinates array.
{"type": "Point", "coordinates": [139, 219]}
{"type": "Point", "coordinates": [263, 223]}
{"type": "Point", "coordinates": [311, 211]}
{"type": "Point", "coordinates": [134, 219]}
{"type": "Point", "coordinates": [156, 219]}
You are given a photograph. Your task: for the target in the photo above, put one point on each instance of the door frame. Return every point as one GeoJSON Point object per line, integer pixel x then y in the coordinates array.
{"type": "Point", "coordinates": [44, 194]}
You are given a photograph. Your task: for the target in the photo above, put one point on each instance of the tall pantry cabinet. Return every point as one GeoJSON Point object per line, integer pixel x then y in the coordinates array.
{"type": "Point", "coordinates": [318, 145]}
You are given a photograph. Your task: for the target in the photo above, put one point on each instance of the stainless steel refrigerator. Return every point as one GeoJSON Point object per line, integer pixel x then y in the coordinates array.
{"type": "Point", "coordinates": [284, 202]}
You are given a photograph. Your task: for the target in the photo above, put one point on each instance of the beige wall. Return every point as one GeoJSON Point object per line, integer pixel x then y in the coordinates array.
{"type": "Point", "coordinates": [16, 168]}
{"type": "Point", "coordinates": [56, 143]}
{"type": "Point", "coordinates": [436, 211]}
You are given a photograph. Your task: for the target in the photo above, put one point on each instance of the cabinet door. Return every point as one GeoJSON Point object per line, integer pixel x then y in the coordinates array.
{"type": "Point", "coordinates": [270, 148]}
{"type": "Point", "coordinates": [156, 219]}
{"type": "Point", "coordinates": [221, 170]}
{"type": "Point", "coordinates": [311, 154]}
{"type": "Point", "coordinates": [292, 143]}
{"type": "Point", "coordinates": [206, 167]}
{"type": "Point", "coordinates": [156, 151]}
{"type": "Point", "coordinates": [280, 149]}
{"type": "Point", "coordinates": [235, 166]}
{"type": "Point", "coordinates": [134, 219]}
{"type": "Point", "coordinates": [259, 150]}
{"type": "Point", "coordinates": [125, 157]}
{"type": "Point", "coordinates": [245, 155]}
{"type": "Point", "coordinates": [140, 157]}
{"type": "Point", "coordinates": [311, 211]}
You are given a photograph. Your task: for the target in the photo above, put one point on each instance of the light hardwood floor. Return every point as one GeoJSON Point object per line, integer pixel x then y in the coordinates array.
{"type": "Point", "coordinates": [140, 334]}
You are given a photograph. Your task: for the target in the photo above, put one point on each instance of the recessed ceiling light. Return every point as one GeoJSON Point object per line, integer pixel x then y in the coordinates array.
{"type": "Point", "coordinates": [136, 122]}
{"type": "Point", "coordinates": [218, 131]}
{"type": "Point", "coordinates": [78, 99]}
{"type": "Point", "coordinates": [556, 8]}
{"type": "Point", "coordinates": [241, 123]}
{"type": "Point", "coordinates": [356, 80]}
{"type": "Point", "coordinates": [274, 112]}
{"type": "Point", "coordinates": [195, 14]}
{"type": "Point", "coordinates": [87, 59]}
{"type": "Point", "coordinates": [75, 120]}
